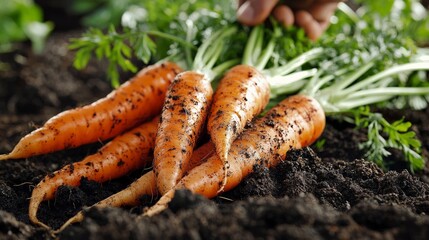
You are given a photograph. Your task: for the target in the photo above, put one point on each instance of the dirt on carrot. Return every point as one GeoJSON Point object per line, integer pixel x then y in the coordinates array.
{"type": "Point", "coordinates": [182, 121]}
{"type": "Point", "coordinates": [294, 123]}
{"type": "Point", "coordinates": [241, 95]}
{"type": "Point", "coordinates": [143, 186]}
{"type": "Point", "coordinates": [125, 153]}
{"type": "Point", "coordinates": [133, 102]}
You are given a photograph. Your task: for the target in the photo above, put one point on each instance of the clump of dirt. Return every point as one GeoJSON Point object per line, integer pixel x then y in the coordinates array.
{"type": "Point", "coordinates": [47, 83]}
{"type": "Point", "coordinates": [329, 193]}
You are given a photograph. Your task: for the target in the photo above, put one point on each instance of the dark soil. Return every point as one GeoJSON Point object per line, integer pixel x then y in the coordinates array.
{"type": "Point", "coordinates": [329, 193]}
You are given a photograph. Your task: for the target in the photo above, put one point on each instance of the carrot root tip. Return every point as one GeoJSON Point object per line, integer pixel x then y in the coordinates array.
{"type": "Point", "coordinates": [154, 210]}
{"type": "Point", "coordinates": [76, 218]}
{"type": "Point", "coordinates": [4, 157]}
{"type": "Point", "coordinates": [225, 178]}
{"type": "Point", "coordinates": [160, 206]}
{"type": "Point", "coordinates": [41, 224]}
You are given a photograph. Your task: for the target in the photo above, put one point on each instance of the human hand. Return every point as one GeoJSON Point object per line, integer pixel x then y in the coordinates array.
{"type": "Point", "coordinates": [311, 15]}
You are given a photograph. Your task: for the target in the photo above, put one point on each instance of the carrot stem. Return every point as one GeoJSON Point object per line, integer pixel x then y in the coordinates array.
{"type": "Point", "coordinates": [386, 73]}
{"type": "Point", "coordinates": [251, 46]}
{"type": "Point", "coordinates": [209, 52]}
{"type": "Point", "coordinates": [290, 83]}
{"type": "Point", "coordinates": [266, 55]}
{"type": "Point", "coordinates": [295, 63]}
{"type": "Point", "coordinates": [171, 37]}
{"type": "Point", "coordinates": [353, 76]}
{"type": "Point", "coordinates": [221, 68]}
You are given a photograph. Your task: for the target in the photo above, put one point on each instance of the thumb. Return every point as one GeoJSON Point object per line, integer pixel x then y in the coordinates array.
{"type": "Point", "coordinates": [254, 12]}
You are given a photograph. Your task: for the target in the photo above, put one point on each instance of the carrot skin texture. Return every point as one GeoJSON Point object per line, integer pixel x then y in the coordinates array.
{"type": "Point", "coordinates": [241, 95]}
{"type": "Point", "coordinates": [182, 119]}
{"type": "Point", "coordinates": [134, 102]}
{"type": "Point", "coordinates": [145, 185]}
{"type": "Point", "coordinates": [127, 152]}
{"type": "Point", "coordinates": [294, 123]}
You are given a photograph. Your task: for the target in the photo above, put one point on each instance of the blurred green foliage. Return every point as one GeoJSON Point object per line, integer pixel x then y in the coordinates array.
{"type": "Point", "coordinates": [409, 16]}
{"type": "Point", "coordinates": [21, 20]}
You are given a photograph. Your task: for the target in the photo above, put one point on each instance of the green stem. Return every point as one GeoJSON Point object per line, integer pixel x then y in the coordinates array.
{"type": "Point", "coordinates": [189, 37]}
{"type": "Point", "coordinates": [170, 37]}
{"type": "Point", "coordinates": [316, 83]}
{"type": "Point", "coordinates": [221, 68]}
{"type": "Point", "coordinates": [295, 63]}
{"type": "Point", "coordinates": [349, 79]}
{"type": "Point", "coordinates": [209, 52]}
{"type": "Point", "coordinates": [284, 81]}
{"type": "Point", "coordinates": [214, 56]}
{"type": "Point", "coordinates": [346, 105]}
{"type": "Point", "coordinates": [290, 83]}
{"type": "Point", "coordinates": [265, 57]}
{"type": "Point", "coordinates": [251, 45]}
{"type": "Point", "coordinates": [386, 73]}
{"type": "Point", "coordinates": [389, 91]}
{"type": "Point", "coordinates": [257, 48]}
{"type": "Point", "coordinates": [349, 12]}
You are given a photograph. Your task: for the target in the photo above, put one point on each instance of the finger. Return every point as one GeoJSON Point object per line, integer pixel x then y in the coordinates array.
{"type": "Point", "coordinates": [322, 11]}
{"type": "Point", "coordinates": [311, 27]}
{"type": "Point", "coordinates": [294, 4]}
{"type": "Point", "coordinates": [284, 15]}
{"type": "Point", "coordinates": [254, 12]}
{"type": "Point", "coordinates": [324, 25]}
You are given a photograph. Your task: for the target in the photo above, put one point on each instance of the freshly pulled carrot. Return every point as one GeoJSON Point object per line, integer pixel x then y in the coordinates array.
{"type": "Point", "coordinates": [184, 114]}
{"type": "Point", "coordinates": [145, 185]}
{"type": "Point", "coordinates": [123, 154]}
{"type": "Point", "coordinates": [185, 110]}
{"type": "Point", "coordinates": [132, 103]}
{"type": "Point", "coordinates": [241, 95]}
{"type": "Point", "coordinates": [294, 123]}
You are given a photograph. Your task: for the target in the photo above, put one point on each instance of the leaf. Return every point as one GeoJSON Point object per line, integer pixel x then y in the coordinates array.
{"type": "Point", "coordinates": [113, 74]}
{"type": "Point", "coordinates": [381, 7]}
{"type": "Point", "coordinates": [401, 126]}
{"type": "Point", "coordinates": [398, 136]}
{"type": "Point", "coordinates": [82, 58]}
{"type": "Point", "coordinates": [15, 18]}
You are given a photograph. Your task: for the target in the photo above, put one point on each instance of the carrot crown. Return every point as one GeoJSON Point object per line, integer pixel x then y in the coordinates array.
{"type": "Point", "coordinates": [209, 52]}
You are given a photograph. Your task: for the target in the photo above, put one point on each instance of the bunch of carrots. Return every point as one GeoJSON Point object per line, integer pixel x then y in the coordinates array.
{"type": "Point", "coordinates": [166, 109]}
{"type": "Point", "coordinates": [159, 116]}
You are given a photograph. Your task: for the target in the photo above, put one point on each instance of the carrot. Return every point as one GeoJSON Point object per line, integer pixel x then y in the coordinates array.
{"type": "Point", "coordinates": [135, 101]}
{"type": "Point", "coordinates": [123, 154]}
{"type": "Point", "coordinates": [241, 95]}
{"type": "Point", "coordinates": [185, 110]}
{"type": "Point", "coordinates": [145, 185]}
{"type": "Point", "coordinates": [294, 123]}
{"type": "Point", "coordinates": [183, 116]}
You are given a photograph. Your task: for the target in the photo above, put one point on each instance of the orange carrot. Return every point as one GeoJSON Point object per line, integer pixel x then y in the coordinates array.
{"type": "Point", "coordinates": [132, 103]}
{"type": "Point", "coordinates": [183, 116]}
{"type": "Point", "coordinates": [145, 185]}
{"type": "Point", "coordinates": [294, 123]}
{"type": "Point", "coordinates": [241, 95]}
{"type": "Point", "coordinates": [123, 154]}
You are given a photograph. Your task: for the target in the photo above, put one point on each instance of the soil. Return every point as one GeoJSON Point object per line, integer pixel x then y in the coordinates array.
{"type": "Point", "coordinates": [328, 193]}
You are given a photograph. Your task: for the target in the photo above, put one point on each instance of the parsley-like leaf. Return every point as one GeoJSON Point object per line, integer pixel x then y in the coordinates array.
{"type": "Point", "coordinates": [114, 47]}
{"type": "Point", "coordinates": [383, 135]}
